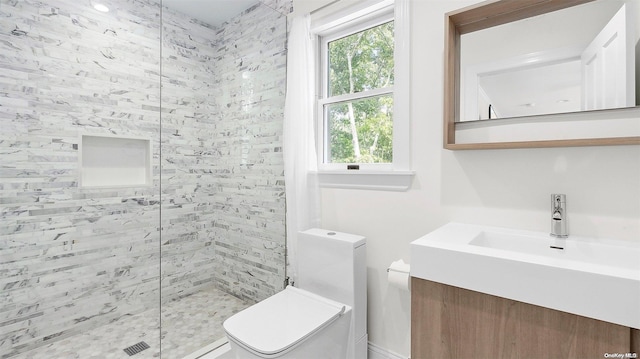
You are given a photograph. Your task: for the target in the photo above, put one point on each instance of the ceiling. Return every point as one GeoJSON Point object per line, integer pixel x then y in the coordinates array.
{"type": "Point", "coordinates": [212, 12]}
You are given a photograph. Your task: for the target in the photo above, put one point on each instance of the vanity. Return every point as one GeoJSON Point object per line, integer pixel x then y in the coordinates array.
{"type": "Point", "coordinates": [488, 292]}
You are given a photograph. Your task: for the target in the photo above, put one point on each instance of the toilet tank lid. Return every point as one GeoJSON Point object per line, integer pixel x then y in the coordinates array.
{"type": "Point", "coordinates": [352, 239]}
{"type": "Point", "coordinates": [282, 321]}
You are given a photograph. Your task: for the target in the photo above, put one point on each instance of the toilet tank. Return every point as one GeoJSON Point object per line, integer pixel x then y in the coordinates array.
{"type": "Point", "coordinates": [334, 265]}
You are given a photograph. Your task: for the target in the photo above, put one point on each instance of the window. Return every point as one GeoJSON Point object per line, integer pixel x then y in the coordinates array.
{"type": "Point", "coordinates": [363, 112]}
{"type": "Point", "coordinates": [357, 107]}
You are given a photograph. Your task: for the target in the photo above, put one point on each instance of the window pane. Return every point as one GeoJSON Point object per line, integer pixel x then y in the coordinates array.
{"type": "Point", "coordinates": [362, 61]}
{"type": "Point", "coordinates": [360, 131]}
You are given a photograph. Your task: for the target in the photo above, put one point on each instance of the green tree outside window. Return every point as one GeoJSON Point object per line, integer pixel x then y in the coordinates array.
{"type": "Point", "coordinates": [361, 131]}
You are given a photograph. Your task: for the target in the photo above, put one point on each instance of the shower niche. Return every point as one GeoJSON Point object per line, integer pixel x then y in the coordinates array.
{"type": "Point", "coordinates": [111, 161]}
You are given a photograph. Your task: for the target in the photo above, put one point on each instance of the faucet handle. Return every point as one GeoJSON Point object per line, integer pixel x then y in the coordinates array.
{"type": "Point", "coordinates": [557, 199]}
{"type": "Point", "coordinates": [558, 216]}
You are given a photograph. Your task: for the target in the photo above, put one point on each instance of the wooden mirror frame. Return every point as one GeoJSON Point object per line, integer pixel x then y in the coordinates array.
{"type": "Point", "coordinates": [485, 15]}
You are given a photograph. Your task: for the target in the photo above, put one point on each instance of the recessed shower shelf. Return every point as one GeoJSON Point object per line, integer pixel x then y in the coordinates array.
{"type": "Point", "coordinates": [111, 161]}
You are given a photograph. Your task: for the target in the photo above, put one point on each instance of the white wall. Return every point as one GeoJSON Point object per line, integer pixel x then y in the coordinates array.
{"type": "Point", "coordinates": [509, 188]}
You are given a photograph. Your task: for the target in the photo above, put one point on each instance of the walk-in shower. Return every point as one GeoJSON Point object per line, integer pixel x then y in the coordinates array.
{"type": "Point", "coordinates": [141, 175]}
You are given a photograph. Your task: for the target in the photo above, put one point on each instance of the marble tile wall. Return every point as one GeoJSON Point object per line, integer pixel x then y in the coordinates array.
{"type": "Point", "coordinates": [72, 258]}
{"type": "Point", "coordinates": [282, 6]}
{"type": "Point", "coordinates": [222, 169]}
{"type": "Point", "coordinates": [250, 227]}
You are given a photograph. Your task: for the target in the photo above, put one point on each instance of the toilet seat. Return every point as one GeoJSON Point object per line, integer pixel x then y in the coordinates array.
{"type": "Point", "coordinates": [281, 322]}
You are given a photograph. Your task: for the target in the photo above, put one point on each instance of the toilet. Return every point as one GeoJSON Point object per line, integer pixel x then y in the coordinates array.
{"type": "Point", "coordinates": [323, 316]}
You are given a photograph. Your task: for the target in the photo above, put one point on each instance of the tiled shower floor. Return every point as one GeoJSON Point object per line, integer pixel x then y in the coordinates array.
{"type": "Point", "coordinates": [188, 324]}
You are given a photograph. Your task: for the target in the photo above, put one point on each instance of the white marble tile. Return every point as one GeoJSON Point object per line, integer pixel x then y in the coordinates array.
{"type": "Point", "coordinates": [188, 324]}
{"type": "Point", "coordinates": [72, 258]}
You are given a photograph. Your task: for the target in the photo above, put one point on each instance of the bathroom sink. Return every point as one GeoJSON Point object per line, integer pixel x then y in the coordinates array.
{"type": "Point", "coordinates": [541, 244]}
{"type": "Point", "coordinates": [595, 278]}
{"type": "Point", "coordinates": [511, 242]}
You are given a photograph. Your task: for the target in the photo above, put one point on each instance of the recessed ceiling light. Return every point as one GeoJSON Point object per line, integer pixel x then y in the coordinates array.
{"type": "Point", "coordinates": [100, 7]}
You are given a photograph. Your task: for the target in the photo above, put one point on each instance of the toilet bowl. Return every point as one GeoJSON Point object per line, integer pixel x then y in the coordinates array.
{"type": "Point", "coordinates": [291, 324]}
{"type": "Point", "coordinates": [324, 316]}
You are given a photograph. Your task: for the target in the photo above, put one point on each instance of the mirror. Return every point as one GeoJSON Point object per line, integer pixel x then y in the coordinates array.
{"type": "Point", "coordinates": [536, 73]}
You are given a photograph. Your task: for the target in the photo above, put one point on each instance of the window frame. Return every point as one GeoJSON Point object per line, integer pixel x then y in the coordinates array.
{"type": "Point", "coordinates": [333, 25]}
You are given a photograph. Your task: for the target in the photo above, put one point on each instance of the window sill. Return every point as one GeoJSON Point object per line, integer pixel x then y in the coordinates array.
{"type": "Point", "coordinates": [370, 180]}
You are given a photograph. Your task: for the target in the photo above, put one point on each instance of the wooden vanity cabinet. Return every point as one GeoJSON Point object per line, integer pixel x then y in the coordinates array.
{"type": "Point", "coordinates": [451, 322]}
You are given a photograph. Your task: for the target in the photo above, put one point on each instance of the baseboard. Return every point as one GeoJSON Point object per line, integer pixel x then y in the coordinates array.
{"type": "Point", "coordinates": [376, 352]}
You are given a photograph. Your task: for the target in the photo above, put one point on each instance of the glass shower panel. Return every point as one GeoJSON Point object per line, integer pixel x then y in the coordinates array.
{"type": "Point", "coordinates": [223, 209]}
{"type": "Point", "coordinates": [79, 178]}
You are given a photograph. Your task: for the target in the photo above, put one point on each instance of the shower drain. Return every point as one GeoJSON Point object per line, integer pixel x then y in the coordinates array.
{"type": "Point", "coordinates": [136, 348]}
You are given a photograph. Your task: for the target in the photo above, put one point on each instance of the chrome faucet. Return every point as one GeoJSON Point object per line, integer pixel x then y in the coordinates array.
{"type": "Point", "coordinates": [559, 216]}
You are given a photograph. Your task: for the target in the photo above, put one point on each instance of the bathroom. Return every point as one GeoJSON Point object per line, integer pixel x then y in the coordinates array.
{"type": "Point", "coordinates": [242, 201]}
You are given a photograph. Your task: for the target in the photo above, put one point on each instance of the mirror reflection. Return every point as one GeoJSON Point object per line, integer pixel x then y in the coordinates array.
{"type": "Point", "coordinates": [577, 59]}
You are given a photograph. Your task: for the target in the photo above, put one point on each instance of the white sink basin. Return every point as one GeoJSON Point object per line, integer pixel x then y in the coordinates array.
{"type": "Point", "coordinates": [595, 278]}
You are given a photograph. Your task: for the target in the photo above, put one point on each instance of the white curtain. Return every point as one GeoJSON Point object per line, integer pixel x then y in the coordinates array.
{"type": "Point", "coordinates": [300, 161]}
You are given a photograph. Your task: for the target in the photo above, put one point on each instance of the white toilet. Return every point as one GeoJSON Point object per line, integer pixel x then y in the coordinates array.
{"type": "Point", "coordinates": [324, 316]}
